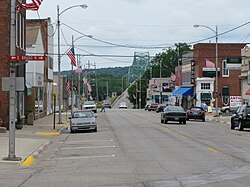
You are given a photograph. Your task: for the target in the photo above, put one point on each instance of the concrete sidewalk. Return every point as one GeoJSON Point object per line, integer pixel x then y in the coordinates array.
{"type": "Point", "coordinates": [221, 119]}
{"type": "Point", "coordinates": [31, 139]}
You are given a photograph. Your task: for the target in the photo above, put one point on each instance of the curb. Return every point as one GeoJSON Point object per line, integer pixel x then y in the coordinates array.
{"type": "Point", "coordinates": [30, 159]}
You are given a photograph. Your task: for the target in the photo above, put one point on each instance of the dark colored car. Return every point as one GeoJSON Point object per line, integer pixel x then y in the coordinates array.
{"type": "Point", "coordinates": [160, 108]}
{"type": "Point", "coordinates": [83, 120]}
{"type": "Point", "coordinates": [241, 118]}
{"type": "Point", "coordinates": [107, 105]}
{"type": "Point", "coordinates": [174, 113]}
{"type": "Point", "coordinates": [196, 113]}
{"type": "Point", "coordinates": [153, 107]}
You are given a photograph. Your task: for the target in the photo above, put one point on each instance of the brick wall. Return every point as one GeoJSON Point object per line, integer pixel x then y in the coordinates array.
{"type": "Point", "coordinates": [203, 51]}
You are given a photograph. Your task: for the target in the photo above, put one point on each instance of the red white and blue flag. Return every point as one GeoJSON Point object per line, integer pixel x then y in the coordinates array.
{"type": "Point", "coordinates": [209, 64]}
{"type": "Point", "coordinates": [34, 5]}
{"type": "Point", "coordinates": [173, 77]}
{"type": "Point", "coordinates": [67, 86]}
{"type": "Point", "coordinates": [71, 55]}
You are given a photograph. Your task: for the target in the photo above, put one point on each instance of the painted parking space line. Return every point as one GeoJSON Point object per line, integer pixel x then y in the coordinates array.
{"type": "Point", "coordinates": [85, 157]}
{"type": "Point", "coordinates": [48, 133]}
{"type": "Point", "coordinates": [63, 125]}
{"type": "Point", "coordinates": [91, 147]}
{"type": "Point", "coordinates": [213, 150]}
{"type": "Point", "coordinates": [86, 141]}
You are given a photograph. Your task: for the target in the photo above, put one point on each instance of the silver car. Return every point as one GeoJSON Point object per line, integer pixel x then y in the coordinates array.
{"type": "Point", "coordinates": [83, 120]}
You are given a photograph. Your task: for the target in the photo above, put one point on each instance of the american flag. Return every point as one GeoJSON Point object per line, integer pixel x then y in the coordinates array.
{"type": "Point", "coordinates": [71, 55]}
{"type": "Point", "coordinates": [173, 77]}
{"type": "Point", "coordinates": [34, 5]}
{"type": "Point", "coordinates": [78, 70]}
{"type": "Point", "coordinates": [67, 86]}
{"type": "Point", "coordinates": [209, 64]}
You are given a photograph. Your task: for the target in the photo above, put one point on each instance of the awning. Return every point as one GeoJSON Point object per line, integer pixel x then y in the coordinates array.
{"type": "Point", "coordinates": [184, 91]}
{"type": "Point", "coordinates": [248, 91]}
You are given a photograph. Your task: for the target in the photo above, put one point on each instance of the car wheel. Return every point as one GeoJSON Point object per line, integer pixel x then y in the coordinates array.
{"type": "Point", "coordinates": [187, 119]}
{"type": "Point", "coordinates": [161, 121]}
{"type": "Point", "coordinates": [203, 119]}
{"type": "Point", "coordinates": [232, 126]}
{"type": "Point", "coordinates": [184, 122]}
{"type": "Point", "coordinates": [180, 122]}
{"type": "Point", "coordinates": [241, 128]}
{"type": "Point", "coordinates": [165, 121]}
{"type": "Point", "coordinates": [95, 130]}
{"type": "Point", "coordinates": [95, 111]}
{"type": "Point", "coordinates": [72, 131]}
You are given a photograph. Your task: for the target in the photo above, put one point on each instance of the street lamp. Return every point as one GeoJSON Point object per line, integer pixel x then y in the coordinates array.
{"type": "Point", "coordinates": [59, 57]}
{"type": "Point", "coordinates": [136, 93]}
{"type": "Point", "coordinates": [216, 65]}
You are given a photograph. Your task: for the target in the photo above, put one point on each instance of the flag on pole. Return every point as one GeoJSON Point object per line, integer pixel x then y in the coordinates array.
{"type": "Point", "coordinates": [71, 55]}
{"type": "Point", "coordinates": [67, 86]}
{"type": "Point", "coordinates": [85, 81]}
{"type": "Point", "coordinates": [78, 70]}
{"type": "Point", "coordinates": [89, 87]}
{"type": "Point", "coordinates": [34, 5]}
{"type": "Point", "coordinates": [173, 77]}
{"type": "Point", "coordinates": [209, 64]}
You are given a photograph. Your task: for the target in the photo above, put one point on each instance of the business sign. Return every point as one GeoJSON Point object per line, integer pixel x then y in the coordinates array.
{"type": "Point", "coordinates": [19, 84]}
{"type": "Point", "coordinates": [22, 58]}
{"type": "Point", "coordinates": [210, 72]}
{"type": "Point", "coordinates": [235, 101]}
{"type": "Point", "coordinates": [248, 77]}
{"type": "Point", "coordinates": [192, 72]}
{"type": "Point", "coordinates": [233, 63]}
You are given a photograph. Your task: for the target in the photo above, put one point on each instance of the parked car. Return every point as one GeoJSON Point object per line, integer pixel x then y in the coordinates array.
{"type": "Point", "coordinates": [89, 105]}
{"type": "Point", "coordinates": [196, 113]}
{"type": "Point", "coordinates": [228, 109]}
{"type": "Point", "coordinates": [241, 118]}
{"type": "Point", "coordinates": [146, 106]}
{"type": "Point", "coordinates": [122, 105]}
{"type": "Point", "coordinates": [160, 108]}
{"type": "Point", "coordinates": [82, 120]}
{"type": "Point", "coordinates": [152, 106]}
{"type": "Point", "coordinates": [174, 113]}
{"type": "Point", "coordinates": [107, 105]}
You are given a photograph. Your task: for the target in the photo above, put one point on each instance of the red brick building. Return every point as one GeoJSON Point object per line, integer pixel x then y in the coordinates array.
{"type": "Point", "coordinates": [5, 25]}
{"type": "Point", "coordinates": [228, 80]}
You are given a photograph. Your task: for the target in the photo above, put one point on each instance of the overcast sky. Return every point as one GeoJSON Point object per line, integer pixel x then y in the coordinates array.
{"type": "Point", "coordinates": [141, 23]}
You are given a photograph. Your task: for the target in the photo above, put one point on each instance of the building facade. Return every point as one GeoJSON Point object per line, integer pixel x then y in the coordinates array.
{"type": "Point", "coordinates": [228, 80]}
{"type": "Point", "coordinates": [244, 77]}
{"type": "Point", "coordinates": [5, 26]}
{"type": "Point", "coordinates": [40, 73]}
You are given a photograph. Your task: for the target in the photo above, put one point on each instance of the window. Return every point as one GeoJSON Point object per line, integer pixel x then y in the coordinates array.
{"type": "Point", "coordinates": [205, 86]}
{"type": "Point", "coordinates": [225, 72]}
{"type": "Point", "coordinates": [20, 21]}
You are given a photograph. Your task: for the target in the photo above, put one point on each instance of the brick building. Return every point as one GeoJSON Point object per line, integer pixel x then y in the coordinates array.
{"type": "Point", "coordinates": [228, 80]}
{"type": "Point", "coordinates": [5, 25]}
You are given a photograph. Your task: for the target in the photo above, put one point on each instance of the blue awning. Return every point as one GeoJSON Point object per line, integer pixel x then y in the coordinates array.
{"type": "Point", "coordinates": [184, 91]}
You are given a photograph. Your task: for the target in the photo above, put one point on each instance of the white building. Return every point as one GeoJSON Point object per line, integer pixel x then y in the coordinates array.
{"type": "Point", "coordinates": [245, 88]}
{"type": "Point", "coordinates": [204, 90]}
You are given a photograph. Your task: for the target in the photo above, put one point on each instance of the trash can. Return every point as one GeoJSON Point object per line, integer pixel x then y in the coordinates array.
{"type": "Point", "coordinates": [30, 119]}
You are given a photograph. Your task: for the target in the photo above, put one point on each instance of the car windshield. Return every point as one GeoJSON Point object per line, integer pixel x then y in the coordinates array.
{"type": "Point", "coordinates": [196, 109]}
{"type": "Point", "coordinates": [89, 103]}
{"type": "Point", "coordinates": [83, 114]}
{"type": "Point", "coordinates": [174, 108]}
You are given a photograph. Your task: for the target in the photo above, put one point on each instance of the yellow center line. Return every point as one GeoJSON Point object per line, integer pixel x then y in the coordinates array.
{"type": "Point", "coordinates": [183, 136]}
{"type": "Point", "coordinates": [213, 150]}
{"type": "Point", "coordinates": [28, 161]}
{"type": "Point", "coordinates": [167, 129]}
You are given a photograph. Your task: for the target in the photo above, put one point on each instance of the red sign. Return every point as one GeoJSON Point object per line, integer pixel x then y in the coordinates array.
{"type": "Point", "coordinates": [21, 58]}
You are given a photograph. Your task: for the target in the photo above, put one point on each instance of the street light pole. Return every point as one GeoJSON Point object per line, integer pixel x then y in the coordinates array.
{"type": "Point", "coordinates": [216, 65]}
{"type": "Point", "coordinates": [59, 56]}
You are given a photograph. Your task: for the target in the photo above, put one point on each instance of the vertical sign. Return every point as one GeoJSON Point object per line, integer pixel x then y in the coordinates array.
{"type": "Point", "coordinates": [192, 71]}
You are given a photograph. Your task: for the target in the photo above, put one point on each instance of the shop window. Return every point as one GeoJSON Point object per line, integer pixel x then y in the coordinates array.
{"type": "Point", "coordinates": [205, 86]}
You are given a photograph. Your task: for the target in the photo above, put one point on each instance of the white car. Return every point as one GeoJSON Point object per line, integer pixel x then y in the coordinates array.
{"type": "Point", "coordinates": [89, 105]}
{"type": "Point", "coordinates": [122, 105]}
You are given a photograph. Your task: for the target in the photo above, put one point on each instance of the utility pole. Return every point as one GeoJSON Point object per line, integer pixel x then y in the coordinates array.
{"type": "Point", "coordinates": [72, 81]}
{"type": "Point", "coordinates": [12, 94]}
{"type": "Point", "coordinates": [79, 84]}
{"type": "Point", "coordinates": [160, 96]}
{"type": "Point", "coordinates": [140, 94]}
{"type": "Point", "coordinates": [96, 86]}
{"type": "Point", "coordinates": [136, 95]}
{"type": "Point", "coordinates": [107, 86]}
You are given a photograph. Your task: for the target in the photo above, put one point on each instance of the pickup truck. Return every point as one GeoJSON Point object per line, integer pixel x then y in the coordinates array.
{"type": "Point", "coordinates": [89, 105]}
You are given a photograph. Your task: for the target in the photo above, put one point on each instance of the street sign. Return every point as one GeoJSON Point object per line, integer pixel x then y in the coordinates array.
{"type": "Point", "coordinates": [21, 58]}
{"type": "Point", "coordinates": [19, 84]}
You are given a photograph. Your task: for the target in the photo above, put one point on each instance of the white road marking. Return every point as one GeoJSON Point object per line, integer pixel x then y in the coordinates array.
{"type": "Point", "coordinates": [83, 141]}
{"type": "Point", "coordinates": [92, 147]}
{"type": "Point", "coordinates": [85, 157]}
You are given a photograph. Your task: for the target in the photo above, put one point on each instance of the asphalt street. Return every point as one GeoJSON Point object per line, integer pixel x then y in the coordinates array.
{"type": "Point", "coordinates": [133, 149]}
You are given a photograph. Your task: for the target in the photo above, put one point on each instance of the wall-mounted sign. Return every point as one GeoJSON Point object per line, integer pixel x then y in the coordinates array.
{"type": "Point", "coordinates": [233, 63]}
{"type": "Point", "coordinates": [192, 72]}
{"type": "Point", "coordinates": [210, 72]}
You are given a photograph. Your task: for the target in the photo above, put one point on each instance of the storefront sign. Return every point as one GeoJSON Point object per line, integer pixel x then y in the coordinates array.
{"type": "Point", "coordinates": [235, 101]}
{"type": "Point", "coordinates": [192, 72]}
{"type": "Point", "coordinates": [233, 63]}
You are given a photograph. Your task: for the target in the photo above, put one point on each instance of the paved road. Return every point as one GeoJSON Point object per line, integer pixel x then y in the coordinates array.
{"type": "Point", "coordinates": [132, 148]}
{"type": "Point", "coordinates": [123, 98]}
